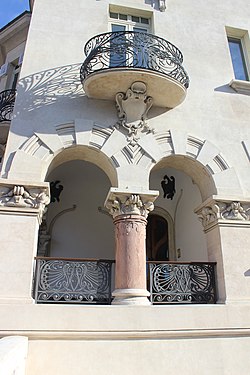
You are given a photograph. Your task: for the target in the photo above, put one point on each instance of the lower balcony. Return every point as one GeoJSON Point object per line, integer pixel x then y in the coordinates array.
{"type": "Point", "coordinates": [7, 101]}
{"type": "Point", "coordinates": [91, 281]}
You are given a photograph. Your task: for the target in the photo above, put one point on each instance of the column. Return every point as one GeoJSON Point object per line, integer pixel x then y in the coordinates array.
{"type": "Point", "coordinates": [129, 211]}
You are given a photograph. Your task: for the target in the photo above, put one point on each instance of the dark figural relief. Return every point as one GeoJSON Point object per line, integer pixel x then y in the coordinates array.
{"type": "Point", "coordinates": [55, 191]}
{"type": "Point", "coordinates": [168, 187]}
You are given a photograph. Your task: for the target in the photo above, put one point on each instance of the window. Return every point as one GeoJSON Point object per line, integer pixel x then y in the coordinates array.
{"type": "Point", "coordinates": [238, 59]}
{"type": "Point", "coordinates": [124, 47]}
{"type": "Point", "coordinates": [239, 47]}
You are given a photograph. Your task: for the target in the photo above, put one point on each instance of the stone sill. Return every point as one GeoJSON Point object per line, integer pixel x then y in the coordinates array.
{"type": "Point", "coordinates": [242, 87]}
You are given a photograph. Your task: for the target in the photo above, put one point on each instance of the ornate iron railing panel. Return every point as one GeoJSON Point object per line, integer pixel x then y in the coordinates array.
{"type": "Point", "coordinates": [128, 49]}
{"type": "Point", "coordinates": [182, 282]}
{"type": "Point", "coordinates": [7, 101]}
{"type": "Point", "coordinates": [72, 280]}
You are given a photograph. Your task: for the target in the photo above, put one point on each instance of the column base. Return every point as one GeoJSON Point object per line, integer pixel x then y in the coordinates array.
{"type": "Point", "coordinates": [131, 297]}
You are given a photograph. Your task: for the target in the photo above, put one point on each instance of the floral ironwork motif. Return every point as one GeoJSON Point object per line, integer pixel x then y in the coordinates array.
{"type": "Point", "coordinates": [7, 101]}
{"type": "Point", "coordinates": [129, 49]}
{"type": "Point", "coordinates": [81, 281]}
{"type": "Point", "coordinates": [182, 283]}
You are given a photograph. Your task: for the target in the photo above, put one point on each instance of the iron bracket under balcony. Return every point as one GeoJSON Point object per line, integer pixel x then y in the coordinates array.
{"type": "Point", "coordinates": [115, 60]}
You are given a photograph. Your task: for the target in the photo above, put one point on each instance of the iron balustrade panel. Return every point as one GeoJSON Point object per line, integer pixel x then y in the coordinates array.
{"type": "Point", "coordinates": [182, 282]}
{"type": "Point", "coordinates": [72, 281]}
{"type": "Point", "coordinates": [128, 49]}
{"type": "Point", "coordinates": [7, 102]}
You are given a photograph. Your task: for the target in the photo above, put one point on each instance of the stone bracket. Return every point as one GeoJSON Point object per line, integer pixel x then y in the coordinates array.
{"type": "Point", "coordinates": [221, 211]}
{"type": "Point", "coordinates": [19, 197]}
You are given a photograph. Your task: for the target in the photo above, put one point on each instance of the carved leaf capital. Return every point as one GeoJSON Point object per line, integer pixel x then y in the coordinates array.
{"type": "Point", "coordinates": [130, 205]}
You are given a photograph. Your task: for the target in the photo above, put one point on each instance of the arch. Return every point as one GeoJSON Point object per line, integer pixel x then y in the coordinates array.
{"type": "Point", "coordinates": [81, 139]}
{"type": "Point", "coordinates": [86, 154]}
{"type": "Point", "coordinates": [193, 168]}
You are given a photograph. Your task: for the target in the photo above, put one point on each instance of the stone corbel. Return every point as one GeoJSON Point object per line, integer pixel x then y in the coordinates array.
{"type": "Point", "coordinates": [222, 211]}
{"type": "Point", "coordinates": [24, 197]}
{"type": "Point", "coordinates": [132, 109]}
{"type": "Point", "coordinates": [121, 202]}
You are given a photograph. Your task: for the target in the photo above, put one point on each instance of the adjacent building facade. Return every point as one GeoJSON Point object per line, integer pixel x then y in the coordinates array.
{"type": "Point", "coordinates": [124, 190]}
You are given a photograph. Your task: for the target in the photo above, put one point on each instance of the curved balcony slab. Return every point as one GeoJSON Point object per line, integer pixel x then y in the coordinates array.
{"type": "Point", "coordinates": [165, 91]}
{"type": "Point", "coordinates": [116, 60]}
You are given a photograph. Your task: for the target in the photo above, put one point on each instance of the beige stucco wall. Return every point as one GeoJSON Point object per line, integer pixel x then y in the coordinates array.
{"type": "Point", "coordinates": [52, 114]}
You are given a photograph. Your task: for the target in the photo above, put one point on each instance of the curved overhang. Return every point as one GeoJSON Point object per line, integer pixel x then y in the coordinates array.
{"type": "Point", "coordinates": [165, 91]}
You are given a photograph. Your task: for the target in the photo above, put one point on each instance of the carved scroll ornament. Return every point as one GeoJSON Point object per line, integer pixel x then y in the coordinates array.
{"type": "Point", "coordinates": [19, 196]}
{"type": "Point", "coordinates": [132, 205]}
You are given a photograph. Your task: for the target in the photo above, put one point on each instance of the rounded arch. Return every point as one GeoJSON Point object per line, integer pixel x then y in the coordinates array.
{"type": "Point", "coordinates": [194, 169]}
{"type": "Point", "coordinates": [88, 154]}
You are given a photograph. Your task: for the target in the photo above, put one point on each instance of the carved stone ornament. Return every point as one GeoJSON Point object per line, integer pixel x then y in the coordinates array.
{"type": "Point", "coordinates": [162, 5]}
{"type": "Point", "coordinates": [216, 210]}
{"type": "Point", "coordinates": [19, 196]}
{"type": "Point", "coordinates": [132, 205]}
{"type": "Point", "coordinates": [132, 109]}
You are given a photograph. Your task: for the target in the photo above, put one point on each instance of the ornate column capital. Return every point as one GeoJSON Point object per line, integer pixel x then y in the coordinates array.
{"type": "Point", "coordinates": [25, 197]}
{"type": "Point", "coordinates": [226, 212]}
{"type": "Point", "coordinates": [120, 202]}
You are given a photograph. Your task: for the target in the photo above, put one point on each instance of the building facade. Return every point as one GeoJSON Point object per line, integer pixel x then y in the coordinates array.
{"type": "Point", "coordinates": [124, 190]}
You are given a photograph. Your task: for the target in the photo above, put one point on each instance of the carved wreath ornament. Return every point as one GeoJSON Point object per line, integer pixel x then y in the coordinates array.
{"type": "Point", "coordinates": [132, 108]}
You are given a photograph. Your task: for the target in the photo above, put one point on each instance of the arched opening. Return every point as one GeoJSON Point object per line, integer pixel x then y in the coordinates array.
{"type": "Point", "coordinates": [75, 221]}
{"type": "Point", "coordinates": [76, 237]}
{"type": "Point", "coordinates": [187, 273]}
{"type": "Point", "coordinates": [188, 241]}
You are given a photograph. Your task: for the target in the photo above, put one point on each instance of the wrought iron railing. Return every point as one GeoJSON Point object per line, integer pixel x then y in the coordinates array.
{"type": "Point", "coordinates": [67, 280]}
{"type": "Point", "coordinates": [132, 50]}
{"type": "Point", "coordinates": [63, 280]}
{"type": "Point", "coordinates": [175, 282]}
{"type": "Point", "coordinates": [7, 101]}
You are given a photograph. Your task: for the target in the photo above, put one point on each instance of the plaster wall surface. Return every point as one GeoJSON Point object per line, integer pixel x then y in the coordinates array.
{"type": "Point", "coordinates": [190, 356]}
{"type": "Point", "coordinates": [210, 112]}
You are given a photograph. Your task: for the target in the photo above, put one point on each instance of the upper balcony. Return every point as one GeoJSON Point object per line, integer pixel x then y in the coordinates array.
{"type": "Point", "coordinates": [117, 59]}
{"type": "Point", "coordinates": [7, 101]}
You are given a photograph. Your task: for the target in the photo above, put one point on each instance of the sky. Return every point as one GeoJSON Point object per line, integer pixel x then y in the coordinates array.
{"type": "Point", "coordinates": [9, 9]}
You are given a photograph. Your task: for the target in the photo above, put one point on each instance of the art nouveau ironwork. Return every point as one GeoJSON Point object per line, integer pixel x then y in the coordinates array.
{"type": "Point", "coordinates": [72, 281]}
{"type": "Point", "coordinates": [7, 101]}
{"type": "Point", "coordinates": [182, 282]}
{"type": "Point", "coordinates": [132, 50]}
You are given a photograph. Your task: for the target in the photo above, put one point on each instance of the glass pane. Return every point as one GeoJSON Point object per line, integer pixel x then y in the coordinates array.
{"type": "Point", "coordinates": [113, 15]}
{"type": "Point", "coordinates": [135, 19]}
{"type": "Point", "coordinates": [140, 59]}
{"type": "Point", "coordinates": [237, 57]}
{"type": "Point", "coordinates": [123, 17]}
{"type": "Point", "coordinates": [117, 48]}
{"type": "Point", "coordinates": [145, 20]}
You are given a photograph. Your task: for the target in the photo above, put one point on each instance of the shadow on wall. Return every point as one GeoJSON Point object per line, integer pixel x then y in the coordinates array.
{"type": "Point", "coordinates": [61, 87]}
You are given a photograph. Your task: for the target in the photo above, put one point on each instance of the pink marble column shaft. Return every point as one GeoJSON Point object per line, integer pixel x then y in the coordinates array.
{"type": "Point", "coordinates": [130, 236]}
